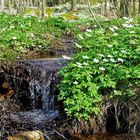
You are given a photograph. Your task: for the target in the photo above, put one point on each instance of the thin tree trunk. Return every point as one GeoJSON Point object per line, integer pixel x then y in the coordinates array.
{"type": "Point", "coordinates": [105, 8]}
{"type": "Point", "coordinates": [2, 5]}
{"type": "Point", "coordinates": [122, 8]}
{"type": "Point", "coordinates": [73, 5]}
{"type": "Point", "coordinates": [115, 3]}
{"type": "Point", "coordinates": [43, 7]}
{"type": "Point", "coordinates": [10, 6]}
{"type": "Point", "coordinates": [134, 7]}
{"type": "Point", "coordinates": [126, 8]}
{"type": "Point", "coordinates": [139, 8]}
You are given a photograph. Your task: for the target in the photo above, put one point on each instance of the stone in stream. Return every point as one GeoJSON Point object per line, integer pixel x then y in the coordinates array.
{"type": "Point", "coordinates": [29, 135]}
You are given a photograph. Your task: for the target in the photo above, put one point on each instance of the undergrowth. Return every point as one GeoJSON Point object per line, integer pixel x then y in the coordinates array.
{"type": "Point", "coordinates": [106, 67]}
{"type": "Point", "coordinates": [21, 34]}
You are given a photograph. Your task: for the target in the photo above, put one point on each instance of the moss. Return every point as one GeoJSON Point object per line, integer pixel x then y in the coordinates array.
{"type": "Point", "coordinates": [70, 16]}
{"type": "Point", "coordinates": [49, 11]}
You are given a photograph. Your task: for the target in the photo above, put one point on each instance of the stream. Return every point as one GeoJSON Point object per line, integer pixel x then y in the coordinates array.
{"type": "Point", "coordinates": [41, 77]}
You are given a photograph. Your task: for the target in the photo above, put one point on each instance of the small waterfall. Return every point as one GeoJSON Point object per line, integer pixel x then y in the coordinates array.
{"type": "Point", "coordinates": [47, 99]}
{"type": "Point", "coordinates": [40, 76]}
{"type": "Point", "coordinates": [40, 93]}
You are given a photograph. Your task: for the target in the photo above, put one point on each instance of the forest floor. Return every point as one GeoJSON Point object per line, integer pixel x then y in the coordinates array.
{"type": "Point", "coordinates": [29, 37]}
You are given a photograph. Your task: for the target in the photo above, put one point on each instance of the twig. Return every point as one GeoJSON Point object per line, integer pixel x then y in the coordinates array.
{"type": "Point", "coordinates": [60, 135]}
{"type": "Point", "coordinates": [93, 15]}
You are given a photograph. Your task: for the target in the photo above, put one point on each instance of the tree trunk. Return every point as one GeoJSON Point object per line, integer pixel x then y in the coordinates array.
{"type": "Point", "coordinates": [43, 7]}
{"type": "Point", "coordinates": [73, 5]}
{"type": "Point", "coordinates": [134, 7]}
{"type": "Point", "coordinates": [2, 5]}
{"type": "Point", "coordinates": [105, 8]}
{"type": "Point", "coordinates": [126, 8]}
{"type": "Point", "coordinates": [139, 8]}
{"type": "Point", "coordinates": [122, 9]}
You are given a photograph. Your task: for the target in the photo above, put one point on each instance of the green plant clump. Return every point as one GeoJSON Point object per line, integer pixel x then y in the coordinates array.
{"type": "Point", "coordinates": [27, 33]}
{"type": "Point", "coordinates": [106, 66]}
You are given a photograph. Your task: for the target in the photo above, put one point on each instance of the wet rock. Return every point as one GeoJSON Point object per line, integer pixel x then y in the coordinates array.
{"type": "Point", "coordinates": [29, 135]}
{"type": "Point", "coordinates": [33, 116]}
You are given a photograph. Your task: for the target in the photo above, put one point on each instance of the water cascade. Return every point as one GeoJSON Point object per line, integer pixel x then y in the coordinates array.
{"type": "Point", "coordinates": [41, 93]}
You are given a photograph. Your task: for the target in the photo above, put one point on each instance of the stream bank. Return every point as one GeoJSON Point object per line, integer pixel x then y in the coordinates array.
{"type": "Point", "coordinates": [28, 92]}
{"type": "Point", "coordinates": [32, 105]}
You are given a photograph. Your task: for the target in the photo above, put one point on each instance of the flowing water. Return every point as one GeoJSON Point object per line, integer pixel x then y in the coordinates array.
{"type": "Point", "coordinates": [41, 79]}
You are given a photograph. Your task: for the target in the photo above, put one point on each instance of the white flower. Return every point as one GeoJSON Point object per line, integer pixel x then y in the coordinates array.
{"type": "Point", "coordinates": [78, 46]}
{"type": "Point", "coordinates": [75, 82]}
{"type": "Point", "coordinates": [115, 27]}
{"type": "Point", "coordinates": [96, 60]}
{"type": "Point", "coordinates": [101, 55]}
{"type": "Point", "coordinates": [120, 60]}
{"type": "Point", "coordinates": [112, 60]}
{"type": "Point", "coordinates": [115, 34]}
{"type": "Point", "coordinates": [130, 20]}
{"type": "Point", "coordinates": [127, 25]}
{"type": "Point", "coordinates": [105, 60]}
{"type": "Point", "coordinates": [132, 42]}
{"type": "Point", "coordinates": [101, 31]}
{"type": "Point", "coordinates": [32, 35]}
{"type": "Point", "coordinates": [79, 65]}
{"type": "Point", "coordinates": [126, 18]}
{"type": "Point", "coordinates": [88, 30]}
{"type": "Point", "coordinates": [88, 35]}
{"type": "Point", "coordinates": [18, 57]}
{"type": "Point", "coordinates": [85, 57]}
{"type": "Point", "coordinates": [95, 26]}
{"type": "Point", "coordinates": [11, 27]}
{"type": "Point", "coordinates": [102, 68]}
{"type": "Point", "coordinates": [85, 63]}
{"type": "Point", "coordinates": [106, 19]}
{"type": "Point", "coordinates": [109, 55]}
{"type": "Point", "coordinates": [110, 46]}
{"type": "Point", "coordinates": [46, 15]}
{"type": "Point", "coordinates": [14, 37]}
{"type": "Point", "coordinates": [66, 57]}
{"type": "Point", "coordinates": [132, 32]}
{"type": "Point", "coordinates": [123, 51]}
{"type": "Point", "coordinates": [39, 46]}
{"type": "Point", "coordinates": [25, 16]}
{"type": "Point", "coordinates": [21, 25]}
{"type": "Point", "coordinates": [137, 25]}
{"type": "Point", "coordinates": [3, 29]}
{"type": "Point", "coordinates": [80, 37]}
{"type": "Point", "coordinates": [112, 29]}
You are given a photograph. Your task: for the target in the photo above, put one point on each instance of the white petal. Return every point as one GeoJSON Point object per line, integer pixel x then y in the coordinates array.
{"type": "Point", "coordinates": [66, 57]}
{"type": "Point", "coordinates": [95, 60]}
{"type": "Point", "coordinates": [78, 46]}
{"type": "Point", "coordinates": [102, 68]}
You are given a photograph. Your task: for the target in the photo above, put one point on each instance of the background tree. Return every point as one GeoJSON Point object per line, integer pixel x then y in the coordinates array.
{"type": "Point", "coordinates": [73, 5]}
{"type": "Point", "coordinates": [2, 4]}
